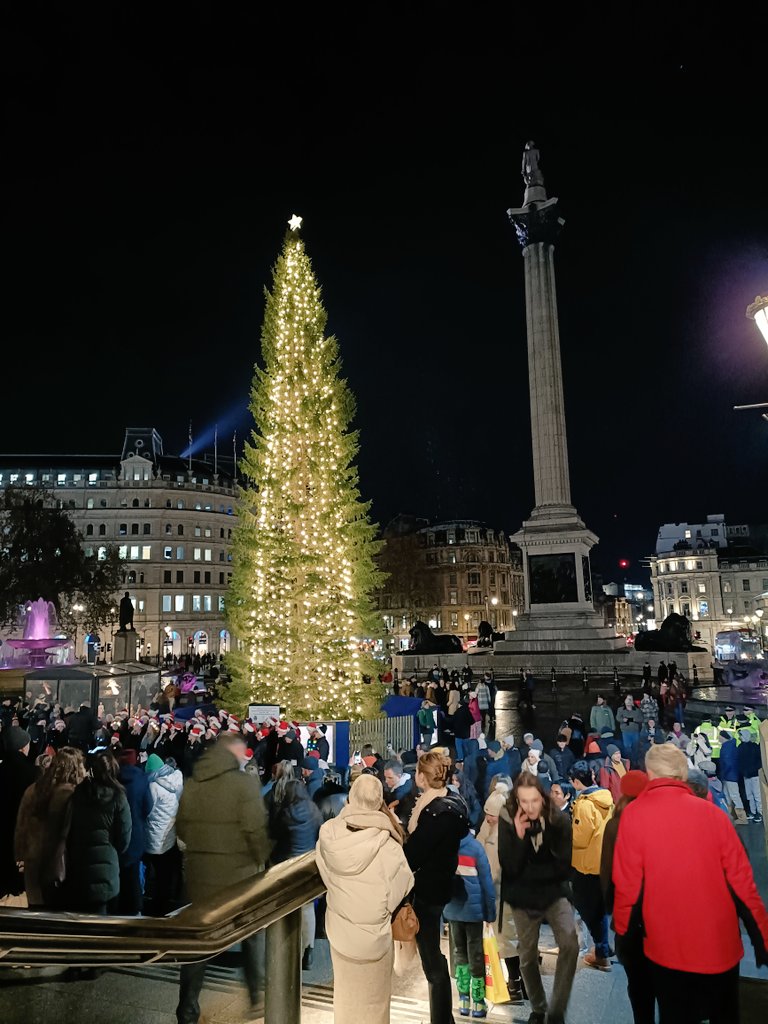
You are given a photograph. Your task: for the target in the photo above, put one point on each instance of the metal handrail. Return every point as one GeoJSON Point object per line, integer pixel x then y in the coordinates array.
{"type": "Point", "coordinates": [198, 931]}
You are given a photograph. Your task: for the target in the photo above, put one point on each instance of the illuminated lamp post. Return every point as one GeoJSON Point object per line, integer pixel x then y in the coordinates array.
{"type": "Point", "coordinates": [759, 615]}
{"type": "Point", "coordinates": [758, 311]}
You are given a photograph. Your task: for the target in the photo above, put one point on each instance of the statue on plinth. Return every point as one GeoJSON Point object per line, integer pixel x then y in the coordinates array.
{"type": "Point", "coordinates": [531, 173]}
{"type": "Point", "coordinates": [126, 613]}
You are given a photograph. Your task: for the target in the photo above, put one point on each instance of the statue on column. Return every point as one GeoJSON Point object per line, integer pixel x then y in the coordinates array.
{"type": "Point", "coordinates": [531, 174]}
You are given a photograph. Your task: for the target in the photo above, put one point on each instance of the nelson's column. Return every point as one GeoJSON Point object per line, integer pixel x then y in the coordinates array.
{"type": "Point", "coordinates": [559, 615]}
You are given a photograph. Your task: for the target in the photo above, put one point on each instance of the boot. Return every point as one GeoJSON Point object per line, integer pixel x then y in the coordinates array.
{"type": "Point", "coordinates": [308, 959]}
{"type": "Point", "coordinates": [516, 985]}
{"type": "Point", "coordinates": [479, 1008]}
{"type": "Point", "coordinates": [741, 816]}
{"type": "Point", "coordinates": [462, 984]}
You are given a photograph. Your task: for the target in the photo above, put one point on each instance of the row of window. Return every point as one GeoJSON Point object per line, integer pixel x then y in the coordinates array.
{"type": "Point", "coordinates": [746, 585]}
{"type": "Point", "coordinates": [199, 506]}
{"type": "Point", "coordinates": [139, 475]}
{"type": "Point", "coordinates": [146, 530]}
{"type": "Point", "coordinates": [196, 576]}
{"type": "Point", "coordinates": [199, 603]}
{"type": "Point", "coordinates": [469, 555]}
{"type": "Point", "coordinates": [143, 553]}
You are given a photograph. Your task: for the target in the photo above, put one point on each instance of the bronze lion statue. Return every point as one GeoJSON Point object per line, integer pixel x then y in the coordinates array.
{"type": "Point", "coordinates": [486, 635]}
{"type": "Point", "coordinates": [424, 641]}
{"type": "Point", "coordinates": [673, 635]}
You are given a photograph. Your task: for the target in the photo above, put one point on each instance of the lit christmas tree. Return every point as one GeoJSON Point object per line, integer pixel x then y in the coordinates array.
{"type": "Point", "coordinates": [304, 548]}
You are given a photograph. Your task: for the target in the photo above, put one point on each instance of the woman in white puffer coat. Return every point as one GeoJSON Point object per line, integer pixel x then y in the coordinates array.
{"type": "Point", "coordinates": [165, 784]}
{"type": "Point", "coordinates": [361, 860]}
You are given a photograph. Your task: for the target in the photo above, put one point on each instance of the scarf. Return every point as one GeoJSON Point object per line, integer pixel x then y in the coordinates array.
{"type": "Point", "coordinates": [619, 767]}
{"type": "Point", "coordinates": [359, 818]}
{"type": "Point", "coordinates": [426, 798]}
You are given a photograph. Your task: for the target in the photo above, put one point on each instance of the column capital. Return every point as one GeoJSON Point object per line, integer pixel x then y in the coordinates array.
{"type": "Point", "coordinates": [536, 222]}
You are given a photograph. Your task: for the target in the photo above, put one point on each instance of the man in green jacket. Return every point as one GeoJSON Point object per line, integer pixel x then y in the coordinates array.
{"type": "Point", "coordinates": [223, 826]}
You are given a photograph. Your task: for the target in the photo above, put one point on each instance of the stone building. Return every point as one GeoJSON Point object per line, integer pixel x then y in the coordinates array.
{"type": "Point", "coordinates": [719, 582]}
{"type": "Point", "coordinates": [172, 521]}
{"type": "Point", "coordinates": [450, 575]}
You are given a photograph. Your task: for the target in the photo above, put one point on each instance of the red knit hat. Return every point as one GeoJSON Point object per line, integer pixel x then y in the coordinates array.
{"type": "Point", "coordinates": [311, 725]}
{"type": "Point", "coordinates": [282, 728]}
{"type": "Point", "coordinates": [633, 783]}
{"type": "Point", "coordinates": [196, 730]}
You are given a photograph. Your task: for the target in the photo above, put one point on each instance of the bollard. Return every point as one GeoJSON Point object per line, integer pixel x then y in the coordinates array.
{"type": "Point", "coordinates": [283, 975]}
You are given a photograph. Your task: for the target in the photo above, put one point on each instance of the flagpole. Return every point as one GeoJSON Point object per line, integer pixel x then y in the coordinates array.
{"type": "Point", "coordinates": [190, 446]}
{"type": "Point", "coordinates": [234, 454]}
{"type": "Point", "coordinates": [216, 449]}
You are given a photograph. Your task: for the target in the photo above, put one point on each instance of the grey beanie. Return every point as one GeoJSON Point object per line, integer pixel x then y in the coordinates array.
{"type": "Point", "coordinates": [16, 739]}
{"type": "Point", "coordinates": [746, 735]}
{"type": "Point", "coordinates": [612, 749]}
{"type": "Point", "coordinates": [708, 766]}
{"type": "Point", "coordinates": [537, 745]}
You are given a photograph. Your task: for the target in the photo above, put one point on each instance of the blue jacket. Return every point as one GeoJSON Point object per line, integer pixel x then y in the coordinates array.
{"type": "Point", "coordinates": [749, 759]}
{"type": "Point", "coordinates": [728, 766]}
{"type": "Point", "coordinates": [315, 780]}
{"type": "Point", "coordinates": [140, 802]}
{"type": "Point", "coordinates": [507, 764]}
{"type": "Point", "coordinates": [474, 894]}
{"type": "Point", "coordinates": [294, 828]}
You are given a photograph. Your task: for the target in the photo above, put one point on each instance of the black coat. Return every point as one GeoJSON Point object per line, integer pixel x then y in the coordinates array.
{"type": "Point", "coordinates": [432, 849]}
{"type": "Point", "coordinates": [294, 828]}
{"type": "Point", "coordinates": [531, 879]}
{"type": "Point", "coordinates": [100, 831]}
{"type": "Point", "coordinates": [462, 722]}
{"type": "Point", "coordinates": [17, 773]}
{"type": "Point", "coordinates": [82, 725]}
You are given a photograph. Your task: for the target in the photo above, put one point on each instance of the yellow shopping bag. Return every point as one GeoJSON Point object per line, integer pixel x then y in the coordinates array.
{"type": "Point", "coordinates": [496, 990]}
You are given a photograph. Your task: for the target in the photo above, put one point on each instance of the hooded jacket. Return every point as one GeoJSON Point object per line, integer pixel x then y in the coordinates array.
{"type": "Point", "coordinates": [294, 827]}
{"type": "Point", "coordinates": [432, 849]}
{"type": "Point", "coordinates": [140, 803]}
{"type": "Point", "coordinates": [99, 832]}
{"type": "Point", "coordinates": [166, 786]}
{"type": "Point", "coordinates": [601, 717]}
{"type": "Point", "coordinates": [591, 810]}
{"type": "Point", "coordinates": [222, 823]}
{"type": "Point", "coordinates": [361, 860]}
{"type": "Point", "coordinates": [659, 855]}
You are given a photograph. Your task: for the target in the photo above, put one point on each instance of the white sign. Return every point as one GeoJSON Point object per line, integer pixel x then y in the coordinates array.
{"type": "Point", "coordinates": [258, 712]}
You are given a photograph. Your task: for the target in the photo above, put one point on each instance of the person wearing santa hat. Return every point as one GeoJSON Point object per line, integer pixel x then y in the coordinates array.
{"type": "Point", "coordinates": [289, 747]}
{"type": "Point", "coordinates": [317, 741]}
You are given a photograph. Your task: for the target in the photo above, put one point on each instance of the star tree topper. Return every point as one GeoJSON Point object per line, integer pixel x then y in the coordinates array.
{"type": "Point", "coordinates": [295, 222]}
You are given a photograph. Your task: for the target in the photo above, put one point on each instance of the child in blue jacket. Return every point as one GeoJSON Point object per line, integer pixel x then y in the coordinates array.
{"type": "Point", "coordinates": [473, 902]}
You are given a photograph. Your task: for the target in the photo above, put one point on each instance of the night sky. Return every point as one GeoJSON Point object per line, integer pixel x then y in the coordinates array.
{"type": "Point", "coordinates": [153, 159]}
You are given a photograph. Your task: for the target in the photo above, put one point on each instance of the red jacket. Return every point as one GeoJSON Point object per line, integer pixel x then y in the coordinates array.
{"type": "Point", "coordinates": [681, 856]}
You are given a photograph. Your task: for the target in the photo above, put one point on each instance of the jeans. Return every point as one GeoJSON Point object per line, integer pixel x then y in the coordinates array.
{"type": "Point", "coordinates": [433, 962]}
{"type": "Point", "coordinates": [308, 926]}
{"type": "Point", "coordinates": [459, 748]}
{"type": "Point", "coordinates": [630, 741]}
{"type": "Point", "coordinates": [467, 943]}
{"type": "Point", "coordinates": [688, 998]}
{"type": "Point", "coordinates": [629, 949]}
{"type": "Point", "coordinates": [588, 900]}
{"type": "Point", "coordinates": [559, 916]}
{"type": "Point", "coordinates": [191, 977]}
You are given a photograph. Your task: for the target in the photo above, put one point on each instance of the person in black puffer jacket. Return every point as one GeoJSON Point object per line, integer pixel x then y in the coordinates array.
{"type": "Point", "coordinates": [436, 827]}
{"type": "Point", "coordinates": [99, 832]}
{"type": "Point", "coordinates": [295, 822]}
{"type": "Point", "coordinates": [535, 849]}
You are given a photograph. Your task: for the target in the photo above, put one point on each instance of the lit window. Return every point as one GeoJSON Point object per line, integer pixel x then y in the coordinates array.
{"type": "Point", "coordinates": [198, 532]}
{"type": "Point", "coordinates": [702, 588]}
{"type": "Point", "coordinates": [197, 554]}
{"type": "Point", "coordinates": [29, 478]}
{"type": "Point", "coordinates": [14, 477]}
{"type": "Point", "coordinates": [180, 552]}
{"type": "Point", "coordinates": [221, 604]}
{"type": "Point", "coordinates": [141, 605]}
{"type": "Point", "coordinates": [207, 554]}
{"type": "Point", "coordinates": [179, 603]}
{"type": "Point", "coordinates": [61, 478]}
{"type": "Point", "coordinates": [703, 608]}
{"type": "Point", "coordinates": [167, 604]}
{"type": "Point", "coordinates": [146, 552]}
{"type": "Point", "coordinates": [135, 552]}
{"type": "Point", "coordinates": [101, 554]}
{"type": "Point", "coordinates": [89, 503]}
{"type": "Point", "coordinates": [122, 551]}
{"type": "Point", "coordinates": [208, 532]}
{"type": "Point", "coordinates": [196, 603]}
{"type": "Point", "coordinates": [207, 603]}
{"type": "Point", "coordinates": [687, 534]}
{"type": "Point", "coordinates": [167, 552]}
{"type": "Point", "coordinates": [92, 478]}
{"type": "Point", "coordinates": [179, 503]}
{"type": "Point", "coordinates": [673, 566]}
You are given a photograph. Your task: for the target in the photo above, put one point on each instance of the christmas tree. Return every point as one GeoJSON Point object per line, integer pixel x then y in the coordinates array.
{"type": "Point", "coordinates": [304, 548]}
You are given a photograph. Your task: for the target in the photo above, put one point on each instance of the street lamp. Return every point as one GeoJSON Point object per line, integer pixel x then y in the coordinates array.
{"type": "Point", "coordinates": [759, 614]}
{"type": "Point", "coordinates": [758, 311]}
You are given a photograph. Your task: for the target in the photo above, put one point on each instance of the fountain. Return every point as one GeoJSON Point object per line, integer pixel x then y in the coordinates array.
{"type": "Point", "coordinates": [39, 624]}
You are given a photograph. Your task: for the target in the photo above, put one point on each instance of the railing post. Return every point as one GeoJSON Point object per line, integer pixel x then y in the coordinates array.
{"type": "Point", "coordinates": [283, 978]}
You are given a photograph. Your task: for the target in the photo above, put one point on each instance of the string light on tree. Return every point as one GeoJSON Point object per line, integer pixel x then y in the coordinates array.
{"type": "Point", "coordinates": [303, 550]}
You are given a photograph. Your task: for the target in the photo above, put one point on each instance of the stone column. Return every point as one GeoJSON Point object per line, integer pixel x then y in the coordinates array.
{"type": "Point", "coordinates": [545, 377]}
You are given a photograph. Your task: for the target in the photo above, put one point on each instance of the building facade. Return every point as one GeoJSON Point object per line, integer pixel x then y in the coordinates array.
{"type": "Point", "coordinates": [719, 583]}
{"type": "Point", "coordinates": [451, 575]}
{"type": "Point", "coordinates": [171, 520]}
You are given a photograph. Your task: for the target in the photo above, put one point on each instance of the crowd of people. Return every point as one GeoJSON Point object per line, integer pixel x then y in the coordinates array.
{"type": "Point", "coordinates": [140, 812]}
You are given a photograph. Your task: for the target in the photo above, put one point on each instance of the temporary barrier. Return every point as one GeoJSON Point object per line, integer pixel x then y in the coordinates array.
{"type": "Point", "coordinates": [382, 734]}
